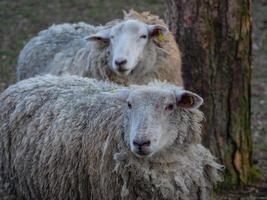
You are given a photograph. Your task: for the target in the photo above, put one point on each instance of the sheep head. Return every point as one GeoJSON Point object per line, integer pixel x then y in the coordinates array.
{"type": "Point", "coordinates": [129, 44]}
{"type": "Point", "coordinates": [155, 119]}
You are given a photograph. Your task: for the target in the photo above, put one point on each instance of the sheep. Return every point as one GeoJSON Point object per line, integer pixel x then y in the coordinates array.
{"type": "Point", "coordinates": [69, 137]}
{"type": "Point", "coordinates": [135, 50]}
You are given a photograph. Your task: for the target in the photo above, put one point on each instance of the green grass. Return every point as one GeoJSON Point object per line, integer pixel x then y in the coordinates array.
{"type": "Point", "coordinates": [260, 147]}
{"type": "Point", "coordinates": [259, 76]}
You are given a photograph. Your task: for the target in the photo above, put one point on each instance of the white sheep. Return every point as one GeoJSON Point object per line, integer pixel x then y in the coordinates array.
{"type": "Point", "coordinates": [77, 138]}
{"type": "Point", "coordinates": [137, 49]}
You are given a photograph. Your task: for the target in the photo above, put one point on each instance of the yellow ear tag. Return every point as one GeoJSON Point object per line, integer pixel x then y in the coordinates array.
{"type": "Point", "coordinates": [160, 37]}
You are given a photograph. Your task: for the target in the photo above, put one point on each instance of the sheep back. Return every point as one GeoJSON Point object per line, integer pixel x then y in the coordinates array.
{"type": "Point", "coordinates": [49, 147]}
{"type": "Point", "coordinates": [62, 138]}
{"type": "Point", "coordinates": [61, 49]}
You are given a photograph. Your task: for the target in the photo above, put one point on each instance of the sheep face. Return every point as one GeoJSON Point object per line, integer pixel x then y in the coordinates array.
{"type": "Point", "coordinates": [152, 118]}
{"type": "Point", "coordinates": [129, 44]}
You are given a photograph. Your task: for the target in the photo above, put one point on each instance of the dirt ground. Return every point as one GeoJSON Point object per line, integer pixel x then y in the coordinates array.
{"type": "Point", "coordinates": [22, 19]}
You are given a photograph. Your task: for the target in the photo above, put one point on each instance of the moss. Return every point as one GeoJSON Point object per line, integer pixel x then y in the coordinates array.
{"type": "Point", "coordinates": [255, 175]}
{"type": "Point", "coordinates": [229, 182]}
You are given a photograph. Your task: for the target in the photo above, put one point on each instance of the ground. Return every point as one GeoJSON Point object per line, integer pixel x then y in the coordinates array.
{"type": "Point", "coordinates": [21, 20]}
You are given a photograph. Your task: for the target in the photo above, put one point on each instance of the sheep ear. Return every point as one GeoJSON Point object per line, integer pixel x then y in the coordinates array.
{"type": "Point", "coordinates": [157, 30]}
{"type": "Point", "coordinates": [121, 94]}
{"type": "Point", "coordinates": [101, 36]}
{"type": "Point", "coordinates": [187, 99]}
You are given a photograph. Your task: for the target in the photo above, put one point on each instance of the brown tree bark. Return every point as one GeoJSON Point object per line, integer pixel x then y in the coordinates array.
{"type": "Point", "coordinates": [215, 40]}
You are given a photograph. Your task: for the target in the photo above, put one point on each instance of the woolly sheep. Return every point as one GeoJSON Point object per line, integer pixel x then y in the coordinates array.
{"type": "Point", "coordinates": [137, 49]}
{"type": "Point", "coordinates": [77, 138]}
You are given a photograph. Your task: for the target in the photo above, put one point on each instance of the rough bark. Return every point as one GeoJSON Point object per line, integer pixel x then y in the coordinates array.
{"type": "Point", "coordinates": [215, 40]}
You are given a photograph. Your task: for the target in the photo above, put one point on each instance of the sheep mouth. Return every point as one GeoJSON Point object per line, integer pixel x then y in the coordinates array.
{"type": "Point", "coordinates": [125, 72]}
{"type": "Point", "coordinates": [142, 154]}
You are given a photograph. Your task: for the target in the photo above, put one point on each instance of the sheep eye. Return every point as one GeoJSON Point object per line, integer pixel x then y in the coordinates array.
{"type": "Point", "coordinates": [143, 36]}
{"type": "Point", "coordinates": [129, 105]}
{"type": "Point", "coordinates": [111, 37]}
{"type": "Point", "coordinates": [169, 107]}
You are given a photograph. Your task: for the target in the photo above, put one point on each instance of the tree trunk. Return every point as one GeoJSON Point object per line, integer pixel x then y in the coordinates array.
{"type": "Point", "coordinates": [215, 40]}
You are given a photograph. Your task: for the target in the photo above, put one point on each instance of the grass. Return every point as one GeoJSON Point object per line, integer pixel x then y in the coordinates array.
{"type": "Point", "coordinates": [259, 76]}
{"type": "Point", "coordinates": [260, 147]}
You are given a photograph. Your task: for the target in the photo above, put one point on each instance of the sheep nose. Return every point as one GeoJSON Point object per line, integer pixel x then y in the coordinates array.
{"type": "Point", "coordinates": [141, 144]}
{"type": "Point", "coordinates": [120, 64]}
{"type": "Point", "coordinates": [120, 61]}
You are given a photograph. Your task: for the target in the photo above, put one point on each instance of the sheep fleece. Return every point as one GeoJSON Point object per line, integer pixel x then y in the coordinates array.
{"type": "Point", "coordinates": [61, 49]}
{"type": "Point", "coordinates": [62, 138]}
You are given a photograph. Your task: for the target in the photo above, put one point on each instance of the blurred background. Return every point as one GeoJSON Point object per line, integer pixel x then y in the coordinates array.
{"type": "Point", "coordinates": [20, 20]}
